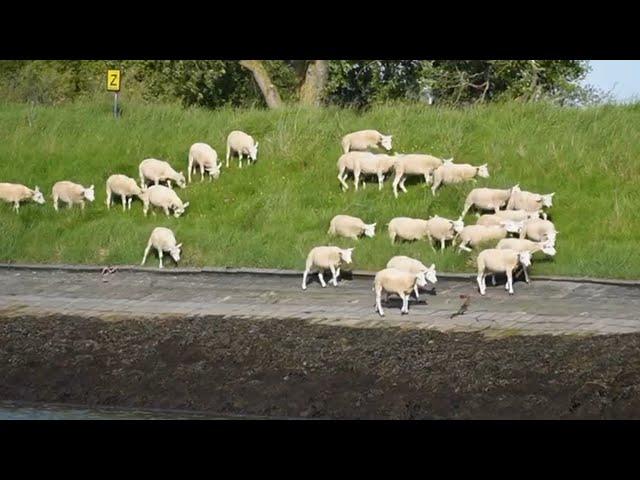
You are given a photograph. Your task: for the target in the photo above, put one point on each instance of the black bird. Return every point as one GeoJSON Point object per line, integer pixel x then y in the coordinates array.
{"type": "Point", "coordinates": [463, 308]}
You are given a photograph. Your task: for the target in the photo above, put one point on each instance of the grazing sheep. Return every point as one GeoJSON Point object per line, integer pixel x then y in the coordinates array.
{"type": "Point", "coordinates": [414, 266]}
{"type": "Point", "coordinates": [365, 139]}
{"type": "Point", "coordinates": [487, 199]}
{"type": "Point", "coordinates": [518, 215]}
{"type": "Point", "coordinates": [242, 144]}
{"type": "Point", "coordinates": [521, 244]}
{"type": "Point", "coordinates": [476, 235]}
{"type": "Point", "coordinates": [158, 171]}
{"type": "Point", "coordinates": [204, 157]}
{"type": "Point", "coordinates": [489, 220]}
{"type": "Point", "coordinates": [163, 197]}
{"type": "Point", "coordinates": [125, 187]}
{"type": "Point", "coordinates": [531, 202]}
{"type": "Point", "coordinates": [417, 229]}
{"type": "Point", "coordinates": [347, 162]}
{"type": "Point", "coordinates": [539, 230]}
{"type": "Point", "coordinates": [70, 193]}
{"type": "Point", "coordinates": [377, 164]}
{"type": "Point", "coordinates": [399, 282]}
{"type": "Point", "coordinates": [16, 193]}
{"type": "Point", "coordinates": [498, 261]}
{"type": "Point", "coordinates": [321, 258]}
{"type": "Point", "coordinates": [163, 240]}
{"type": "Point", "coordinates": [350, 227]}
{"type": "Point", "coordinates": [415, 164]}
{"type": "Point", "coordinates": [450, 173]}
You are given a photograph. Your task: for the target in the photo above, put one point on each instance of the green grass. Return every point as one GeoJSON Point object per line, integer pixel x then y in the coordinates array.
{"type": "Point", "coordinates": [271, 214]}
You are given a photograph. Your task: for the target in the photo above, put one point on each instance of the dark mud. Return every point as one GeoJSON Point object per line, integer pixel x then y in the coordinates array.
{"type": "Point", "coordinates": [290, 368]}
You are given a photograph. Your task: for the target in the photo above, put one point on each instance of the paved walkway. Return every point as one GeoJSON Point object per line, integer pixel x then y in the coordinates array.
{"type": "Point", "coordinates": [539, 308]}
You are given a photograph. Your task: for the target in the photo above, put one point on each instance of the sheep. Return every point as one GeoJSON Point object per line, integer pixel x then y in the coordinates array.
{"type": "Point", "coordinates": [539, 230]}
{"type": "Point", "coordinates": [497, 261]}
{"type": "Point", "coordinates": [163, 197]}
{"type": "Point", "coordinates": [414, 164]}
{"type": "Point", "coordinates": [350, 227]}
{"type": "Point", "coordinates": [531, 202]}
{"type": "Point", "coordinates": [521, 244]}
{"type": "Point", "coordinates": [416, 229]}
{"type": "Point", "coordinates": [70, 193]}
{"type": "Point", "coordinates": [450, 173]}
{"type": "Point", "coordinates": [16, 193]}
{"type": "Point", "coordinates": [365, 139]}
{"type": "Point", "coordinates": [206, 158]}
{"type": "Point", "coordinates": [326, 257]}
{"type": "Point", "coordinates": [412, 265]}
{"type": "Point", "coordinates": [377, 164]}
{"type": "Point", "coordinates": [242, 144]}
{"type": "Point", "coordinates": [399, 282]}
{"type": "Point", "coordinates": [487, 199]}
{"type": "Point", "coordinates": [518, 215]}
{"type": "Point", "coordinates": [347, 161]}
{"type": "Point", "coordinates": [163, 240]}
{"type": "Point", "coordinates": [158, 171]}
{"type": "Point", "coordinates": [475, 235]}
{"type": "Point", "coordinates": [124, 186]}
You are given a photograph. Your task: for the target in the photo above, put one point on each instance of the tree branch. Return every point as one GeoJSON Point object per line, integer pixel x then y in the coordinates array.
{"type": "Point", "coordinates": [268, 89]}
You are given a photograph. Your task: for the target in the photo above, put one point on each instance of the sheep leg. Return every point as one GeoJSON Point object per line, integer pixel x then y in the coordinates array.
{"type": "Point", "coordinates": [426, 178]}
{"type": "Point", "coordinates": [334, 277]}
{"type": "Point", "coordinates": [82, 204]}
{"type": "Point", "coordinates": [466, 208]}
{"type": "Point", "coordinates": [510, 281]}
{"type": "Point", "coordinates": [108, 199]}
{"type": "Point", "coordinates": [481, 285]}
{"type": "Point", "coordinates": [441, 244]}
{"type": "Point", "coordinates": [415, 290]}
{"type": "Point", "coordinates": [434, 187]}
{"type": "Point", "coordinates": [166, 211]}
{"type": "Point", "coordinates": [146, 252]}
{"type": "Point", "coordinates": [338, 272]}
{"type": "Point", "coordinates": [169, 184]}
{"type": "Point", "coordinates": [405, 304]}
{"type": "Point", "coordinates": [69, 204]}
{"type": "Point", "coordinates": [145, 209]}
{"type": "Point", "coordinates": [526, 275]}
{"type": "Point", "coordinates": [402, 187]}
{"type": "Point", "coordinates": [240, 158]}
{"type": "Point", "coordinates": [16, 206]}
{"type": "Point", "coordinates": [160, 256]}
{"type": "Point", "coordinates": [321, 278]}
{"type": "Point", "coordinates": [201, 173]}
{"type": "Point", "coordinates": [463, 246]}
{"type": "Point", "coordinates": [123, 199]}
{"type": "Point", "coordinates": [431, 242]}
{"type": "Point", "coordinates": [228, 155]}
{"type": "Point", "coordinates": [356, 178]}
{"type": "Point", "coordinates": [493, 279]}
{"type": "Point", "coordinates": [304, 278]}
{"type": "Point", "coordinates": [55, 203]}
{"type": "Point", "coordinates": [378, 301]}
{"type": "Point", "coordinates": [396, 180]}
{"type": "Point", "coordinates": [129, 202]}
{"type": "Point", "coordinates": [341, 177]}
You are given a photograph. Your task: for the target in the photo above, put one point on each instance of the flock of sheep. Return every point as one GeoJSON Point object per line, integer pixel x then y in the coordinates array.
{"type": "Point", "coordinates": [523, 212]}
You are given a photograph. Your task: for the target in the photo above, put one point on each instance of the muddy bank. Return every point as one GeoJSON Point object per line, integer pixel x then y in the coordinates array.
{"type": "Point", "coordinates": [289, 368]}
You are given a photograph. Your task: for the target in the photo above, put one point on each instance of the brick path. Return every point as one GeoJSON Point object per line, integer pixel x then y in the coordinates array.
{"type": "Point", "coordinates": [539, 308]}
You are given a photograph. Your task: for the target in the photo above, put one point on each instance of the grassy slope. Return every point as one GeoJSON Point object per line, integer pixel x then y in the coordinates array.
{"type": "Point", "coordinates": [271, 214]}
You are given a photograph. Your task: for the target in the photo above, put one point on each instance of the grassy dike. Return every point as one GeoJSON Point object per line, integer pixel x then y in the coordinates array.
{"type": "Point", "coordinates": [271, 214]}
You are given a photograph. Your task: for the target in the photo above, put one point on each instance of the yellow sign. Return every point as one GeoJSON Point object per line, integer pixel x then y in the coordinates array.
{"type": "Point", "coordinates": [113, 80]}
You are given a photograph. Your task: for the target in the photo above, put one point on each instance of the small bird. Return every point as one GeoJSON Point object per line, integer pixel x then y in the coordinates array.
{"type": "Point", "coordinates": [463, 308]}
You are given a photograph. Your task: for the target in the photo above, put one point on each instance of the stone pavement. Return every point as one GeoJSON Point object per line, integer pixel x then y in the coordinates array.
{"type": "Point", "coordinates": [543, 307]}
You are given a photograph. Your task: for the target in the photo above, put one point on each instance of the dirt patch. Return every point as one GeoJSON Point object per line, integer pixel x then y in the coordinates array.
{"type": "Point", "coordinates": [290, 368]}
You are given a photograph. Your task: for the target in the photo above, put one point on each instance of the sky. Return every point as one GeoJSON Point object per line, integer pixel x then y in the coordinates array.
{"type": "Point", "coordinates": [623, 76]}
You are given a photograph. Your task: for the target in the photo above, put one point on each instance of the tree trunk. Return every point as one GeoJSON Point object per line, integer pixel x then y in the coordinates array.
{"type": "Point", "coordinates": [315, 80]}
{"type": "Point", "coordinates": [268, 89]}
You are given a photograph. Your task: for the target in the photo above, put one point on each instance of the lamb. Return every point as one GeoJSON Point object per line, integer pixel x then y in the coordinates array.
{"type": "Point", "coordinates": [365, 139]}
{"type": "Point", "coordinates": [416, 229]}
{"type": "Point", "coordinates": [70, 193]}
{"type": "Point", "coordinates": [16, 193]}
{"type": "Point", "coordinates": [125, 187]}
{"type": "Point", "coordinates": [348, 161]}
{"type": "Point", "coordinates": [531, 202]}
{"type": "Point", "coordinates": [539, 230]}
{"type": "Point", "coordinates": [498, 261]}
{"type": "Point", "coordinates": [415, 164]}
{"type": "Point", "coordinates": [163, 197]}
{"type": "Point", "coordinates": [350, 227]}
{"type": "Point", "coordinates": [399, 282]}
{"type": "Point", "coordinates": [521, 244]}
{"type": "Point", "coordinates": [158, 171]}
{"type": "Point", "coordinates": [414, 266]}
{"type": "Point", "coordinates": [241, 144]}
{"type": "Point", "coordinates": [206, 158]}
{"type": "Point", "coordinates": [378, 165]}
{"type": "Point", "coordinates": [450, 173]}
{"type": "Point", "coordinates": [487, 199]}
{"type": "Point", "coordinates": [321, 258]}
{"type": "Point", "coordinates": [163, 240]}
{"type": "Point", "coordinates": [475, 235]}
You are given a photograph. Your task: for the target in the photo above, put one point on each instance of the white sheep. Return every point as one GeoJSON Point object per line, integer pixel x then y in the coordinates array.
{"type": "Point", "coordinates": [347, 162]}
{"type": "Point", "coordinates": [518, 215]}
{"type": "Point", "coordinates": [157, 171]}
{"type": "Point", "coordinates": [436, 227]}
{"type": "Point", "coordinates": [16, 193]}
{"type": "Point", "coordinates": [163, 240]}
{"type": "Point", "coordinates": [205, 158]}
{"type": "Point", "coordinates": [71, 193]}
{"type": "Point", "coordinates": [163, 197]}
{"type": "Point", "coordinates": [522, 244]}
{"type": "Point", "coordinates": [531, 202]}
{"type": "Point", "coordinates": [487, 199]}
{"type": "Point", "coordinates": [350, 227]}
{"type": "Point", "coordinates": [414, 164]}
{"type": "Point", "coordinates": [451, 173]}
{"type": "Point", "coordinates": [498, 261]}
{"type": "Point", "coordinates": [242, 144]}
{"type": "Point", "coordinates": [398, 282]}
{"type": "Point", "coordinates": [476, 235]}
{"type": "Point", "coordinates": [411, 265]}
{"type": "Point", "coordinates": [365, 139]}
{"type": "Point", "coordinates": [377, 164]}
{"type": "Point", "coordinates": [322, 258]}
{"type": "Point", "coordinates": [125, 187]}
{"type": "Point", "coordinates": [539, 230]}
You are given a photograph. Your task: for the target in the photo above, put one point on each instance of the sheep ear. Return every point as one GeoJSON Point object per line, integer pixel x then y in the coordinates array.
{"type": "Point", "coordinates": [374, 224]}
{"type": "Point", "coordinates": [185, 205]}
{"type": "Point", "coordinates": [179, 245]}
{"type": "Point", "coordinates": [91, 187]}
{"type": "Point", "coordinates": [181, 173]}
{"type": "Point", "coordinates": [432, 267]}
{"type": "Point", "coordinates": [484, 165]}
{"type": "Point", "coordinates": [37, 189]}
{"type": "Point", "coordinates": [257, 143]}
{"type": "Point", "coordinates": [552, 194]}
